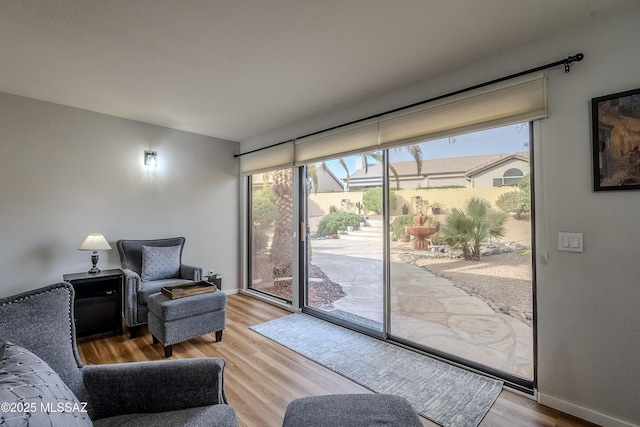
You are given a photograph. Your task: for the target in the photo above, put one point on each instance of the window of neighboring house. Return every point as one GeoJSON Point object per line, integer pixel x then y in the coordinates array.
{"type": "Point", "coordinates": [510, 177]}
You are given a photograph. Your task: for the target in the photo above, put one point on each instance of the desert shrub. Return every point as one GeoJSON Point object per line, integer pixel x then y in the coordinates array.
{"type": "Point", "coordinates": [525, 184]}
{"type": "Point", "coordinates": [517, 201]}
{"type": "Point", "coordinates": [372, 199]}
{"type": "Point", "coordinates": [432, 221]}
{"type": "Point", "coordinates": [260, 240]}
{"type": "Point", "coordinates": [514, 201]}
{"type": "Point", "coordinates": [263, 207]}
{"type": "Point", "coordinates": [333, 208]}
{"type": "Point", "coordinates": [399, 223]}
{"type": "Point", "coordinates": [331, 223]}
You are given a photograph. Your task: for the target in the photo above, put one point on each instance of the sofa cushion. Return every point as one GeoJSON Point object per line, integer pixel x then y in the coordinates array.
{"type": "Point", "coordinates": [33, 394]}
{"type": "Point", "coordinates": [209, 416]}
{"type": "Point", "coordinates": [160, 262]}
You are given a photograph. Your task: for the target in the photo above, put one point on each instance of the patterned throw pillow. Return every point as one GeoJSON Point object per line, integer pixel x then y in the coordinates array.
{"type": "Point", "coordinates": [160, 262]}
{"type": "Point", "coordinates": [32, 394]}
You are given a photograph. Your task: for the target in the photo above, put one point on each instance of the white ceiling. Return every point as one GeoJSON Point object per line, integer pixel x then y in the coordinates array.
{"type": "Point", "coordinates": [233, 69]}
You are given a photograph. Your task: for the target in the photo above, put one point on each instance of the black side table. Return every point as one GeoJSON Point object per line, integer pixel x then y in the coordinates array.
{"type": "Point", "coordinates": [216, 280]}
{"type": "Point", "coordinates": [98, 304]}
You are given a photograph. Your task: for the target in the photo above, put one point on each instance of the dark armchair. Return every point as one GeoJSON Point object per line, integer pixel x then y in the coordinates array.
{"type": "Point", "coordinates": [158, 393]}
{"type": "Point", "coordinates": [148, 265]}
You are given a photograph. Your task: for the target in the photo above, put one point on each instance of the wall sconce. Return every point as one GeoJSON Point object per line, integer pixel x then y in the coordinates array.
{"type": "Point", "coordinates": [150, 158]}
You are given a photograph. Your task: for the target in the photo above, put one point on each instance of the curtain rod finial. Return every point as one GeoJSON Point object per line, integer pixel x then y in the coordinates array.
{"type": "Point", "coordinates": [575, 58]}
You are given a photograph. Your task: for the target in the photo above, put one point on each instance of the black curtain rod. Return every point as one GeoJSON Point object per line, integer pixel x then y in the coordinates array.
{"type": "Point", "coordinates": [566, 62]}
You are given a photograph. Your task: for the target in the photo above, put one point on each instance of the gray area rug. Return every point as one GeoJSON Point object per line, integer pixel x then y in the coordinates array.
{"type": "Point", "coordinates": [445, 394]}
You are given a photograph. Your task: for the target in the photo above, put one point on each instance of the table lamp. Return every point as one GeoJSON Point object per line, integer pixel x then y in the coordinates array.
{"type": "Point", "coordinates": [94, 242]}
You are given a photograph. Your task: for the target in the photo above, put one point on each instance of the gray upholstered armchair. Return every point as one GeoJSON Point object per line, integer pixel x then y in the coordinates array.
{"type": "Point", "coordinates": [41, 350]}
{"type": "Point", "coordinates": [149, 265]}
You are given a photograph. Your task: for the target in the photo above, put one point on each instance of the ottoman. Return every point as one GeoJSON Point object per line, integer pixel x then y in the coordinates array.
{"type": "Point", "coordinates": [351, 410]}
{"type": "Point", "coordinates": [175, 320]}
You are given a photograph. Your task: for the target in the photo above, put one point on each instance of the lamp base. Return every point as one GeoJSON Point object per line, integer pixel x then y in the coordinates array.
{"type": "Point", "coordinates": [94, 260]}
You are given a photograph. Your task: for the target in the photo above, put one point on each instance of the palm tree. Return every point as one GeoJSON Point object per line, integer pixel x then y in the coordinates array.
{"type": "Point", "coordinates": [283, 188]}
{"type": "Point", "coordinates": [456, 232]}
{"type": "Point", "coordinates": [466, 230]}
{"type": "Point", "coordinates": [282, 235]}
{"type": "Point", "coordinates": [369, 158]}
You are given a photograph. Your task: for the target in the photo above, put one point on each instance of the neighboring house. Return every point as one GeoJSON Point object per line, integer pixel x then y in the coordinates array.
{"type": "Point", "coordinates": [327, 181]}
{"type": "Point", "coordinates": [492, 170]}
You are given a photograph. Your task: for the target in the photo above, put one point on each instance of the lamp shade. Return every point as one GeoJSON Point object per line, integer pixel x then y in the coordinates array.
{"type": "Point", "coordinates": [95, 242]}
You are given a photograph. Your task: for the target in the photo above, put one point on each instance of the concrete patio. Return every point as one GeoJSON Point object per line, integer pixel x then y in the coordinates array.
{"type": "Point", "coordinates": [425, 309]}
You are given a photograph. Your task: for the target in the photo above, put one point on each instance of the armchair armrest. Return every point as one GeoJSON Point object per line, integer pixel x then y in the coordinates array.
{"type": "Point", "coordinates": [158, 386]}
{"type": "Point", "coordinates": [190, 272]}
{"type": "Point", "coordinates": [131, 289]}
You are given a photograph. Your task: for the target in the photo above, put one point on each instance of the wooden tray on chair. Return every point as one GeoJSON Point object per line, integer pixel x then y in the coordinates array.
{"type": "Point", "coordinates": [188, 289]}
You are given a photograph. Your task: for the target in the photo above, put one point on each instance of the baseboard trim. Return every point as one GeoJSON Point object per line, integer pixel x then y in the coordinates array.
{"type": "Point", "coordinates": [580, 412]}
{"type": "Point", "coordinates": [232, 291]}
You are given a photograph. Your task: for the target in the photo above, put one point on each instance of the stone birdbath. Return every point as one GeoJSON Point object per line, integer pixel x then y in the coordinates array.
{"type": "Point", "coordinates": [420, 232]}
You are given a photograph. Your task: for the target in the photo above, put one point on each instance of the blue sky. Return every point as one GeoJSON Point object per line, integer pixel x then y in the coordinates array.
{"type": "Point", "coordinates": [505, 139]}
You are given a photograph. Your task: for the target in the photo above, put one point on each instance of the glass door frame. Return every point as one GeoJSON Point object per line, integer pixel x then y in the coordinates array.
{"type": "Point", "coordinates": [517, 383]}
{"type": "Point", "coordinates": [303, 276]}
{"type": "Point", "coordinates": [300, 244]}
{"type": "Point", "coordinates": [246, 246]}
{"type": "Point", "coordinates": [512, 381]}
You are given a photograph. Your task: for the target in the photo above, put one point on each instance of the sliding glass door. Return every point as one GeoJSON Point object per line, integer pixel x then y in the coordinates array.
{"type": "Point", "coordinates": [345, 269]}
{"type": "Point", "coordinates": [271, 232]}
{"type": "Point", "coordinates": [449, 223]}
{"type": "Point", "coordinates": [427, 244]}
{"type": "Point", "coordinates": [460, 251]}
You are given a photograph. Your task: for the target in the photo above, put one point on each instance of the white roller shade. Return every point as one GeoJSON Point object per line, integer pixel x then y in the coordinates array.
{"type": "Point", "coordinates": [511, 101]}
{"type": "Point", "coordinates": [345, 140]}
{"type": "Point", "coordinates": [277, 157]}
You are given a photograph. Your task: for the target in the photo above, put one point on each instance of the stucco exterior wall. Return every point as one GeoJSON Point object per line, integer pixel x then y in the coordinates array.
{"type": "Point", "coordinates": [319, 204]}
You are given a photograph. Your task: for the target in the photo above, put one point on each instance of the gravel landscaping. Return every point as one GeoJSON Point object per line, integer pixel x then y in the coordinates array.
{"type": "Point", "coordinates": [502, 281]}
{"type": "Point", "coordinates": [502, 278]}
{"type": "Point", "coordinates": [322, 291]}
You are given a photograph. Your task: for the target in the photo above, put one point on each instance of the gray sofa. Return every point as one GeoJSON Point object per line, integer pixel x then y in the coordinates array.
{"type": "Point", "coordinates": [144, 278]}
{"type": "Point", "coordinates": [159, 393]}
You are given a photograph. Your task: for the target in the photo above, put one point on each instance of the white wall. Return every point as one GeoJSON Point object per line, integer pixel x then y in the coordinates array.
{"type": "Point", "coordinates": [587, 303]}
{"type": "Point", "coordinates": [65, 173]}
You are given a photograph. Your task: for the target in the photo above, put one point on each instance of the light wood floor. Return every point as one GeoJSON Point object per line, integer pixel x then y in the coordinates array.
{"type": "Point", "coordinates": [262, 377]}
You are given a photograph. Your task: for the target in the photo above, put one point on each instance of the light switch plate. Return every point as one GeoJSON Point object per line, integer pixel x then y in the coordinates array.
{"type": "Point", "coordinates": [570, 242]}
